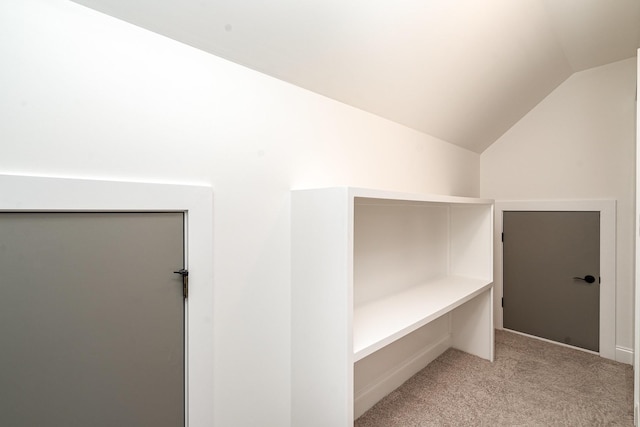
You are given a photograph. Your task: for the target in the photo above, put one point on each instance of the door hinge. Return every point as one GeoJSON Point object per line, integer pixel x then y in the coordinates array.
{"type": "Point", "coordinates": [502, 302]}
{"type": "Point", "coordinates": [185, 281]}
{"type": "Point", "coordinates": [502, 237]}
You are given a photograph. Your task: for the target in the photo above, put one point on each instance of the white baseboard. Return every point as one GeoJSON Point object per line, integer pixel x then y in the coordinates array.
{"type": "Point", "coordinates": [624, 355]}
{"type": "Point", "coordinates": [394, 378]}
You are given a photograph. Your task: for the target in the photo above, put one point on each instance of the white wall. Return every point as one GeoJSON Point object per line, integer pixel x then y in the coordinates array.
{"type": "Point", "coordinates": [85, 95]}
{"type": "Point", "coordinates": [578, 143]}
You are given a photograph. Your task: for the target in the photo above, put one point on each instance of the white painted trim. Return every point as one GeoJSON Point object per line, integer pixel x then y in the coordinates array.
{"type": "Point", "coordinates": [624, 355]}
{"type": "Point", "coordinates": [394, 378]}
{"type": "Point", "coordinates": [607, 209]}
{"type": "Point", "coordinates": [23, 193]}
{"type": "Point", "coordinates": [636, 238]}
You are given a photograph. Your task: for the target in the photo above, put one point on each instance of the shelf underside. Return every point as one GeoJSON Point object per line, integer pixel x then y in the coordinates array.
{"type": "Point", "coordinates": [380, 322]}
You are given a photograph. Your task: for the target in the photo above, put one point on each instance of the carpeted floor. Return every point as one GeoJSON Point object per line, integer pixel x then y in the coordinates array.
{"type": "Point", "coordinates": [530, 383]}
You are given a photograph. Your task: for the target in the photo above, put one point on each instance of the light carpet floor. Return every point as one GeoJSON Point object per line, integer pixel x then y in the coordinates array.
{"type": "Point", "coordinates": [530, 383]}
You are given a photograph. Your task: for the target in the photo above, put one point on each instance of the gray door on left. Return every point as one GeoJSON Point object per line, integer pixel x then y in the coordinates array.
{"type": "Point", "coordinates": [91, 319]}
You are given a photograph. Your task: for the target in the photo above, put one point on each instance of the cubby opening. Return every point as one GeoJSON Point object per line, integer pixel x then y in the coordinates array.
{"type": "Point", "coordinates": [414, 261]}
{"type": "Point", "coordinates": [382, 283]}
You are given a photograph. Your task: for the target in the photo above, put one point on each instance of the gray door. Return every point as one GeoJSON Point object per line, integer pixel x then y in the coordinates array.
{"type": "Point", "coordinates": [552, 276]}
{"type": "Point", "coordinates": [91, 319]}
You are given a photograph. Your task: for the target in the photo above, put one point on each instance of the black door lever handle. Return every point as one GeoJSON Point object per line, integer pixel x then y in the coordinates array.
{"type": "Point", "coordinates": [588, 278]}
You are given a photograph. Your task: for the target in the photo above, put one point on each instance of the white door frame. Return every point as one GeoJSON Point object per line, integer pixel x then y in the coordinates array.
{"type": "Point", "coordinates": [607, 209]}
{"type": "Point", "coordinates": [24, 193]}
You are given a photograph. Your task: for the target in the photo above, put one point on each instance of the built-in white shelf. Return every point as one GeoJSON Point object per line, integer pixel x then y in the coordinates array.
{"type": "Point", "coordinates": [380, 322]}
{"type": "Point", "coordinates": [371, 269]}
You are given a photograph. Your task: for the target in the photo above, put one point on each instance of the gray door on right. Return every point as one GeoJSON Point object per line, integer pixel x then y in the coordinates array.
{"type": "Point", "coordinates": [551, 281]}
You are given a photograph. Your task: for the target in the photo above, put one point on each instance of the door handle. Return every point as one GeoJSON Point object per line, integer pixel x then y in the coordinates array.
{"type": "Point", "coordinates": [185, 281]}
{"type": "Point", "coordinates": [588, 278]}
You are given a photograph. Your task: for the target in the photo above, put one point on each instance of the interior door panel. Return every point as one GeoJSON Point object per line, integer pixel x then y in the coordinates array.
{"type": "Point", "coordinates": [551, 275]}
{"type": "Point", "coordinates": [91, 319]}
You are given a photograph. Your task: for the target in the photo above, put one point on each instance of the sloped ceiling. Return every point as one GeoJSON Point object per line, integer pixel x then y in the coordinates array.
{"type": "Point", "coordinates": [462, 70]}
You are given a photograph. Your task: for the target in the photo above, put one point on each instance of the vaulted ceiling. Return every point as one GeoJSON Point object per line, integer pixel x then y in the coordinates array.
{"type": "Point", "coordinates": [462, 70]}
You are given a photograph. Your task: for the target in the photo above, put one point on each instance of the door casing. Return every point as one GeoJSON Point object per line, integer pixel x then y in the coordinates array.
{"type": "Point", "coordinates": [607, 209]}
{"type": "Point", "coordinates": [29, 193]}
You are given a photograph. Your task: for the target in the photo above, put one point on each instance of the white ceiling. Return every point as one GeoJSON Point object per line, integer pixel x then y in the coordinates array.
{"type": "Point", "coordinates": [461, 70]}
